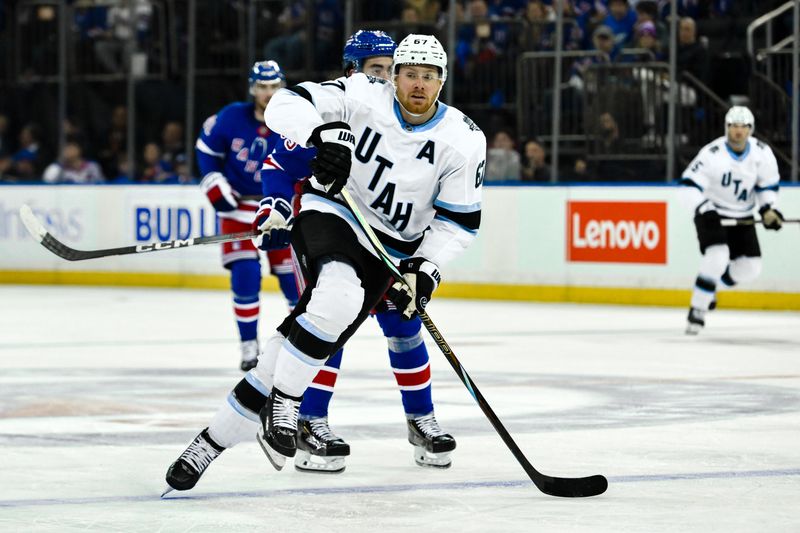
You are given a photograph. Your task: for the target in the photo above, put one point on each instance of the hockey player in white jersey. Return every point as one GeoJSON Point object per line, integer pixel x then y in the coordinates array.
{"type": "Point", "coordinates": [319, 448]}
{"type": "Point", "coordinates": [417, 176]}
{"type": "Point", "coordinates": [728, 178]}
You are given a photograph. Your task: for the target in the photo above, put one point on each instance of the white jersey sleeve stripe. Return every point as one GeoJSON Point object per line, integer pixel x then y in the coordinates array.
{"type": "Point", "coordinates": [203, 147]}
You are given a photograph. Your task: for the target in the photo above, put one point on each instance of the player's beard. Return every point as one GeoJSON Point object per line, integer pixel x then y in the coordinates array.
{"type": "Point", "coordinates": [414, 105]}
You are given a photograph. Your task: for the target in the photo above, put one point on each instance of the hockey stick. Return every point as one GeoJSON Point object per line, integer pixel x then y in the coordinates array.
{"type": "Point", "coordinates": [750, 222]}
{"type": "Point", "coordinates": [38, 232]}
{"type": "Point", "coordinates": [554, 486]}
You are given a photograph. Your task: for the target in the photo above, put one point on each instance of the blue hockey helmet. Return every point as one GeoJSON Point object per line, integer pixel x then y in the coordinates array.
{"type": "Point", "coordinates": [268, 72]}
{"type": "Point", "coordinates": [364, 44]}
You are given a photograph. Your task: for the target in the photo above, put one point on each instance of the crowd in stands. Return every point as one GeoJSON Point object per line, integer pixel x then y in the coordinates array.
{"type": "Point", "coordinates": [490, 36]}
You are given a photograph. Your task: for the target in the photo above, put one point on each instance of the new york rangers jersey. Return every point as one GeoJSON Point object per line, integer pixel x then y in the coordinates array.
{"type": "Point", "coordinates": [235, 143]}
{"type": "Point", "coordinates": [284, 168]}
{"type": "Point", "coordinates": [418, 186]}
{"type": "Point", "coordinates": [733, 182]}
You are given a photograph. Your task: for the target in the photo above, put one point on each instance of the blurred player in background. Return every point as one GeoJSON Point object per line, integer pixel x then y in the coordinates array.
{"type": "Point", "coordinates": [230, 151]}
{"type": "Point", "coordinates": [728, 178]}
{"type": "Point", "coordinates": [417, 175]}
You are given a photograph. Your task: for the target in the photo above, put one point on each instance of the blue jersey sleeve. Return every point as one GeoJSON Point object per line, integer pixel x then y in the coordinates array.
{"type": "Point", "coordinates": [286, 165]}
{"type": "Point", "coordinates": [212, 143]}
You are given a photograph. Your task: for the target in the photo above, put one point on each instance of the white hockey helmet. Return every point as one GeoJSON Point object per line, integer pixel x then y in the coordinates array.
{"type": "Point", "coordinates": [739, 114]}
{"type": "Point", "coordinates": [417, 49]}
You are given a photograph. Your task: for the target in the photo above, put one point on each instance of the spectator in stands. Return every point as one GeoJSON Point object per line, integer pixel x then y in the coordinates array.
{"type": "Point", "coordinates": [687, 8]}
{"type": "Point", "coordinates": [73, 131]}
{"type": "Point", "coordinates": [646, 40]}
{"type": "Point", "coordinates": [90, 24]}
{"type": "Point", "coordinates": [539, 29]}
{"type": "Point", "coordinates": [534, 167]}
{"type": "Point", "coordinates": [115, 140]}
{"type": "Point", "coordinates": [692, 55]}
{"type": "Point", "coordinates": [111, 50]}
{"type": "Point", "coordinates": [427, 10]}
{"type": "Point", "coordinates": [610, 143]}
{"type": "Point", "coordinates": [122, 171]}
{"type": "Point", "coordinates": [289, 49]}
{"type": "Point", "coordinates": [502, 160]}
{"type": "Point", "coordinates": [579, 171]}
{"type": "Point", "coordinates": [26, 163]}
{"type": "Point", "coordinates": [603, 40]}
{"type": "Point", "coordinates": [621, 19]}
{"type": "Point", "coordinates": [328, 22]}
{"type": "Point", "coordinates": [647, 11]}
{"type": "Point", "coordinates": [173, 151]}
{"type": "Point", "coordinates": [588, 15]}
{"type": "Point", "coordinates": [154, 169]}
{"type": "Point", "coordinates": [73, 168]}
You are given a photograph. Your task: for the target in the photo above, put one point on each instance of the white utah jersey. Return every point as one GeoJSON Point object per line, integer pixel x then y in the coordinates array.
{"type": "Point", "coordinates": [734, 182]}
{"type": "Point", "coordinates": [419, 187]}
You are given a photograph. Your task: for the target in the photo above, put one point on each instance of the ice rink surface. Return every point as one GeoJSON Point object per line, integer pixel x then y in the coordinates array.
{"type": "Point", "coordinates": [101, 389]}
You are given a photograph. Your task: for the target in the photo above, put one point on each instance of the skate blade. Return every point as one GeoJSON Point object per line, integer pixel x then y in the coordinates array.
{"type": "Point", "coordinates": [310, 464]}
{"type": "Point", "coordinates": [247, 366]}
{"type": "Point", "coordinates": [427, 459]}
{"type": "Point", "coordinates": [276, 459]}
{"type": "Point", "coordinates": [693, 329]}
{"type": "Point", "coordinates": [167, 491]}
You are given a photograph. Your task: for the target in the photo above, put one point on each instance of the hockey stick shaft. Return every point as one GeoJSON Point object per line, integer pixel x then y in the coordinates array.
{"type": "Point", "coordinates": [41, 235]}
{"type": "Point", "coordinates": [564, 487]}
{"type": "Point", "coordinates": [750, 222]}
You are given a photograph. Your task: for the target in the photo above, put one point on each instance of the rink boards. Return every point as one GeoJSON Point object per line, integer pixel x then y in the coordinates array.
{"type": "Point", "coordinates": [615, 244]}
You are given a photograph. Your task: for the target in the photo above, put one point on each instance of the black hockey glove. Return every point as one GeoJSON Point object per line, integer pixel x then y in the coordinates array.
{"type": "Point", "coordinates": [335, 143]}
{"type": "Point", "coordinates": [421, 279]}
{"type": "Point", "coordinates": [773, 219]}
{"type": "Point", "coordinates": [707, 218]}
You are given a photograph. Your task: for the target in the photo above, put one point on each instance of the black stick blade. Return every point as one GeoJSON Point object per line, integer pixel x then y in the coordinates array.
{"type": "Point", "coordinates": [583, 487]}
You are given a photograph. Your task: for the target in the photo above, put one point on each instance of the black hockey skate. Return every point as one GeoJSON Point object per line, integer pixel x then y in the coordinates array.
{"type": "Point", "coordinates": [695, 321]}
{"type": "Point", "coordinates": [279, 427]}
{"type": "Point", "coordinates": [432, 446]}
{"type": "Point", "coordinates": [319, 449]}
{"type": "Point", "coordinates": [185, 472]}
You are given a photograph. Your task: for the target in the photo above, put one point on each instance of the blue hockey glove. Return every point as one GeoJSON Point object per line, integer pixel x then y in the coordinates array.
{"type": "Point", "coordinates": [274, 220]}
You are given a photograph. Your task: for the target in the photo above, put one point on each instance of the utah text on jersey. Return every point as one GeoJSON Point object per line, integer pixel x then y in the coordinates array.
{"type": "Point", "coordinates": [419, 186]}
{"type": "Point", "coordinates": [732, 181]}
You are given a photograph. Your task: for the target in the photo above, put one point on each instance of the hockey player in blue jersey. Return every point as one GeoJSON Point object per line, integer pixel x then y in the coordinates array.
{"type": "Point", "coordinates": [230, 150]}
{"type": "Point", "coordinates": [318, 448]}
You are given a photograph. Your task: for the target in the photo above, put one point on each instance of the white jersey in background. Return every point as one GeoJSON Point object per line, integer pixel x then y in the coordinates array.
{"type": "Point", "coordinates": [412, 213]}
{"type": "Point", "coordinates": [733, 182]}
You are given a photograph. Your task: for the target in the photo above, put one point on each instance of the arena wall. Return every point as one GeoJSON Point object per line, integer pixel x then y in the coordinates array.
{"type": "Point", "coordinates": [601, 244]}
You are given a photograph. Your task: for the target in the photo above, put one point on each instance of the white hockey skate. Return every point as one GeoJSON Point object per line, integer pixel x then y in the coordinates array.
{"type": "Point", "coordinates": [432, 446]}
{"type": "Point", "coordinates": [278, 429]}
{"type": "Point", "coordinates": [319, 450]}
{"type": "Point", "coordinates": [695, 321]}
{"type": "Point", "coordinates": [250, 352]}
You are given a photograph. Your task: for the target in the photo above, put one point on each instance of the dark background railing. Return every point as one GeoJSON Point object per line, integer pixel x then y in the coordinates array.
{"type": "Point", "coordinates": [118, 76]}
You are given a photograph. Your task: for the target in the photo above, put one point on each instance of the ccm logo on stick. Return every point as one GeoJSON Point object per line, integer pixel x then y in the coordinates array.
{"type": "Point", "coordinates": [164, 245]}
{"type": "Point", "coordinates": [617, 232]}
